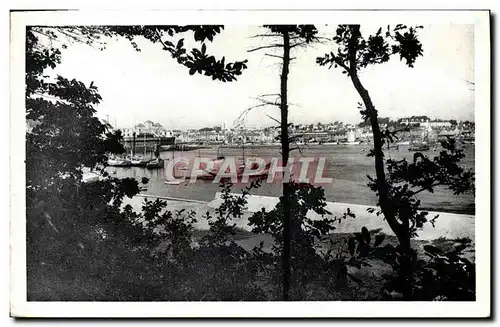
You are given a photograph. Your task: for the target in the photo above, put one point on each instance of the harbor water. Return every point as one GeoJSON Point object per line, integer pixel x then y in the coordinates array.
{"type": "Point", "coordinates": [347, 165]}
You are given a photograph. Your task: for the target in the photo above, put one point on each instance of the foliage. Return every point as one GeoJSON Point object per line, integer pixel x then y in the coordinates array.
{"type": "Point", "coordinates": [440, 275]}
{"type": "Point", "coordinates": [82, 243]}
{"type": "Point", "coordinates": [232, 207]}
{"type": "Point", "coordinates": [306, 33]}
{"type": "Point", "coordinates": [376, 49]}
{"type": "Point", "coordinates": [197, 60]}
{"type": "Point", "coordinates": [406, 180]}
{"type": "Point", "coordinates": [67, 220]}
{"type": "Point", "coordinates": [218, 268]}
{"type": "Point", "coordinates": [447, 275]}
{"type": "Point", "coordinates": [397, 189]}
{"type": "Point", "coordinates": [307, 263]}
{"type": "Point", "coordinates": [82, 236]}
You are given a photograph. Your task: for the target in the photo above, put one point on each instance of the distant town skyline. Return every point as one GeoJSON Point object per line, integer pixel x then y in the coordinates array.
{"type": "Point", "coordinates": [149, 85]}
{"type": "Point", "coordinates": [404, 120]}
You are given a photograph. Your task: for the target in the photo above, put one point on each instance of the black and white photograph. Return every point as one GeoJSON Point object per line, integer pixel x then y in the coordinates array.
{"type": "Point", "coordinates": [225, 164]}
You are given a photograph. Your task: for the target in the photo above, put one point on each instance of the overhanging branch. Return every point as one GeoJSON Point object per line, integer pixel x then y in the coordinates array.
{"type": "Point", "coordinates": [271, 46]}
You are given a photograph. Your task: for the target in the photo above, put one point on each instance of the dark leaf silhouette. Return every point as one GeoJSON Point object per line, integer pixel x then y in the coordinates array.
{"type": "Point", "coordinates": [366, 235]}
{"type": "Point", "coordinates": [379, 238]}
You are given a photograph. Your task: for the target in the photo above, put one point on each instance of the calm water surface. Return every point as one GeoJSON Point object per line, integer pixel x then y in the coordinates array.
{"type": "Point", "coordinates": [347, 165]}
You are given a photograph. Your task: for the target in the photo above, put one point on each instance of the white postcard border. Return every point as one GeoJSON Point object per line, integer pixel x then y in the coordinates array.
{"type": "Point", "coordinates": [19, 305]}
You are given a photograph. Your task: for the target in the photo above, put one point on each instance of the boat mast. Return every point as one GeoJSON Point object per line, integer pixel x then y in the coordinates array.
{"type": "Point", "coordinates": [157, 149]}
{"type": "Point", "coordinates": [173, 142]}
{"type": "Point", "coordinates": [243, 146]}
{"type": "Point", "coordinates": [243, 150]}
{"type": "Point", "coordinates": [133, 144]}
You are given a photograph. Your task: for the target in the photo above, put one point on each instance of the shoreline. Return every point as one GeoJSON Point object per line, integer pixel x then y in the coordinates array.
{"type": "Point", "coordinates": [470, 211]}
{"type": "Point", "coordinates": [448, 225]}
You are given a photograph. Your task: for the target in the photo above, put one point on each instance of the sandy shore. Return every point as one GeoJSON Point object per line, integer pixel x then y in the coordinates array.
{"type": "Point", "coordinates": [448, 225]}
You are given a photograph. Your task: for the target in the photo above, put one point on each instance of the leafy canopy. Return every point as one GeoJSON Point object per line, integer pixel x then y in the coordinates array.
{"type": "Point", "coordinates": [355, 52]}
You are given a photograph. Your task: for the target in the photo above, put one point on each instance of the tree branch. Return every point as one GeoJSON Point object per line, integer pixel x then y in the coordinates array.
{"type": "Point", "coordinates": [165, 47]}
{"type": "Point", "coordinates": [297, 44]}
{"type": "Point", "coordinates": [270, 94]}
{"type": "Point", "coordinates": [426, 188]}
{"type": "Point", "coordinates": [277, 121]}
{"type": "Point", "coordinates": [276, 56]}
{"type": "Point", "coordinates": [271, 46]}
{"type": "Point", "coordinates": [339, 62]}
{"type": "Point", "coordinates": [296, 147]}
{"type": "Point", "coordinates": [264, 35]}
{"type": "Point", "coordinates": [269, 103]}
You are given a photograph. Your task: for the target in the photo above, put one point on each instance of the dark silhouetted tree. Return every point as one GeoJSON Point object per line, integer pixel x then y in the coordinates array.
{"type": "Point", "coordinates": [286, 37]}
{"type": "Point", "coordinates": [397, 182]}
{"type": "Point", "coordinates": [79, 231]}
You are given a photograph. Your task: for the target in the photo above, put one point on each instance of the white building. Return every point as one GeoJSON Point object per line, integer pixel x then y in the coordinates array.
{"type": "Point", "coordinates": [439, 124]}
{"type": "Point", "coordinates": [148, 127]}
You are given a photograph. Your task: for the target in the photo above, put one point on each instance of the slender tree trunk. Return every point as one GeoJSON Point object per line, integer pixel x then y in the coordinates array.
{"type": "Point", "coordinates": [400, 229]}
{"type": "Point", "coordinates": [382, 187]}
{"type": "Point", "coordinates": [407, 265]}
{"type": "Point", "coordinates": [285, 148]}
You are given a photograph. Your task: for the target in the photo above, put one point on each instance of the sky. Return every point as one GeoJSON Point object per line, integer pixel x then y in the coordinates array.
{"type": "Point", "coordinates": [150, 85]}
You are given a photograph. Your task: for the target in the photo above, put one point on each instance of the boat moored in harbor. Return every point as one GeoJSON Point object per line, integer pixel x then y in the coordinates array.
{"type": "Point", "coordinates": [118, 162]}
{"type": "Point", "coordinates": [155, 163]}
{"type": "Point", "coordinates": [138, 161]}
{"type": "Point", "coordinates": [417, 146]}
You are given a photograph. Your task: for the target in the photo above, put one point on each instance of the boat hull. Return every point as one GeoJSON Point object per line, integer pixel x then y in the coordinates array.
{"type": "Point", "coordinates": [119, 163]}
{"type": "Point", "coordinates": [155, 164]}
{"type": "Point", "coordinates": [139, 163]}
{"type": "Point", "coordinates": [419, 148]}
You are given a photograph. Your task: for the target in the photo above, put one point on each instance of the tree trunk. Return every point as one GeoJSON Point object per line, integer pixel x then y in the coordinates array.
{"type": "Point", "coordinates": [285, 149]}
{"type": "Point", "coordinates": [382, 187]}
{"type": "Point", "coordinates": [407, 265]}
{"type": "Point", "coordinates": [400, 230]}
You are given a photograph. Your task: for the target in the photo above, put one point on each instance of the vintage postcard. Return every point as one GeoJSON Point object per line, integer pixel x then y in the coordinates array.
{"type": "Point", "coordinates": [229, 164]}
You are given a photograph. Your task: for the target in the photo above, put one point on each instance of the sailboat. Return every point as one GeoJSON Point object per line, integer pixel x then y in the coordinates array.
{"type": "Point", "coordinates": [219, 154]}
{"type": "Point", "coordinates": [251, 162]}
{"type": "Point", "coordinates": [136, 160]}
{"type": "Point", "coordinates": [116, 161]}
{"type": "Point", "coordinates": [219, 160]}
{"type": "Point", "coordinates": [418, 146]}
{"type": "Point", "coordinates": [183, 168]}
{"type": "Point", "coordinates": [210, 174]}
{"type": "Point", "coordinates": [156, 162]}
{"type": "Point", "coordinates": [351, 139]}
